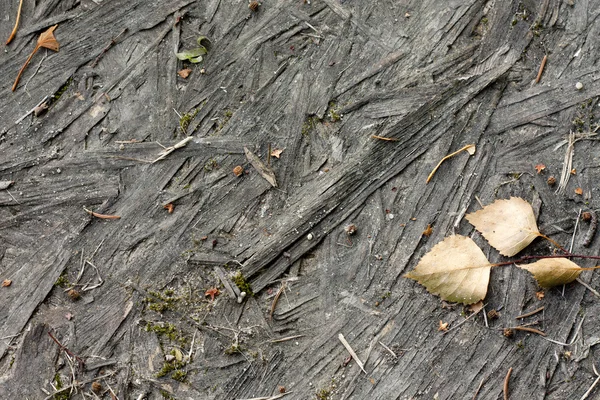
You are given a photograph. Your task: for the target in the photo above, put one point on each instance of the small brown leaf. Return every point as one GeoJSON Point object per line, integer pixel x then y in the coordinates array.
{"type": "Point", "coordinates": [46, 40]}
{"type": "Point", "coordinates": [6, 283]}
{"type": "Point", "coordinates": [169, 207]}
{"type": "Point", "coordinates": [476, 307]}
{"type": "Point", "coordinates": [184, 73]}
{"type": "Point", "coordinates": [540, 294]}
{"type": "Point", "coordinates": [573, 171]}
{"type": "Point", "coordinates": [539, 168]}
{"type": "Point", "coordinates": [549, 272]}
{"type": "Point", "coordinates": [508, 225]}
{"type": "Point", "coordinates": [443, 326]}
{"type": "Point", "coordinates": [212, 292]}
{"type": "Point", "coordinates": [428, 231]}
{"type": "Point", "coordinates": [579, 191]}
{"type": "Point", "coordinates": [276, 153]}
{"type": "Point", "coordinates": [455, 269]}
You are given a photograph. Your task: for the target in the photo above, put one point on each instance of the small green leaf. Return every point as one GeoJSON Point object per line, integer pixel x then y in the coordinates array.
{"type": "Point", "coordinates": [201, 39]}
{"type": "Point", "coordinates": [193, 55]}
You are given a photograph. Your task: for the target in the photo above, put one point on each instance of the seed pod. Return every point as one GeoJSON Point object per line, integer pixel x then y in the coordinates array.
{"type": "Point", "coordinates": [551, 181]}
{"type": "Point", "coordinates": [238, 171]}
{"type": "Point", "coordinates": [350, 229]}
{"type": "Point", "coordinates": [74, 294]}
{"type": "Point", "coordinates": [586, 216]}
{"type": "Point", "coordinates": [493, 314]}
{"type": "Point", "coordinates": [96, 387]}
{"type": "Point", "coordinates": [254, 5]}
{"type": "Point", "coordinates": [508, 332]}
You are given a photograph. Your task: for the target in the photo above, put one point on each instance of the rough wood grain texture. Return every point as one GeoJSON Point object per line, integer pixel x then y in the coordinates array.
{"type": "Point", "coordinates": [316, 79]}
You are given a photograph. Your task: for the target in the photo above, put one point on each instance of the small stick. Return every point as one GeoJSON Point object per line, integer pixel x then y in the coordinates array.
{"type": "Point", "coordinates": [269, 156]}
{"type": "Point", "coordinates": [262, 169]}
{"type": "Point", "coordinates": [111, 44]}
{"type": "Point", "coordinates": [14, 31]}
{"type": "Point", "coordinates": [30, 111]}
{"type": "Point", "coordinates": [470, 148]}
{"type": "Point", "coordinates": [285, 339]}
{"type": "Point", "coordinates": [276, 299]}
{"type": "Point", "coordinates": [478, 388]}
{"type": "Point", "coordinates": [542, 65]}
{"type": "Point", "coordinates": [575, 231]}
{"type": "Point", "coordinates": [352, 353]}
{"type": "Point", "coordinates": [586, 394]}
{"type": "Point", "coordinates": [277, 396]}
{"type": "Point", "coordinates": [102, 216]}
{"type": "Point", "coordinates": [529, 314]}
{"type": "Point", "coordinates": [385, 138]}
{"type": "Point", "coordinates": [463, 321]}
{"type": "Point", "coordinates": [527, 329]}
{"type": "Point", "coordinates": [69, 352]}
{"type": "Point", "coordinates": [505, 388]}
{"type": "Point", "coordinates": [171, 149]}
{"type": "Point", "coordinates": [591, 289]}
{"type": "Point", "coordinates": [388, 349]}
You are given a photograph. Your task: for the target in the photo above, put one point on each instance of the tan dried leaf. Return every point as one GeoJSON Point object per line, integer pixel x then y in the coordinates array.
{"type": "Point", "coordinates": [276, 153]}
{"type": "Point", "coordinates": [455, 269]}
{"type": "Point", "coordinates": [549, 272]}
{"type": "Point", "coordinates": [6, 283]}
{"type": "Point", "coordinates": [508, 225]}
{"type": "Point", "coordinates": [443, 326]}
{"type": "Point", "coordinates": [184, 73]}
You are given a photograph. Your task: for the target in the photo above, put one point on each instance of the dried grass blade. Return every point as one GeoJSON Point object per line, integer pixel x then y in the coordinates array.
{"type": "Point", "coordinates": [14, 31]}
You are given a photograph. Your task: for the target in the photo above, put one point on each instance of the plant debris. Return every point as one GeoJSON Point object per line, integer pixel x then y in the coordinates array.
{"type": "Point", "coordinates": [508, 225]}
{"type": "Point", "coordinates": [212, 292]}
{"type": "Point", "coordinates": [470, 148]}
{"type": "Point", "coordinates": [14, 31]}
{"type": "Point", "coordinates": [194, 55]}
{"type": "Point", "coordinates": [46, 40]}
{"type": "Point", "coordinates": [539, 168]}
{"type": "Point", "coordinates": [455, 269]}
{"type": "Point", "coordinates": [551, 272]}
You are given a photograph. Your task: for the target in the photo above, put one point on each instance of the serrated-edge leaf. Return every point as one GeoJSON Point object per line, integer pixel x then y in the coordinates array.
{"type": "Point", "coordinates": [550, 272]}
{"type": "Point", "coordinates": [508, 225]}
{"type": "Point", "coordinates": [455, 269]}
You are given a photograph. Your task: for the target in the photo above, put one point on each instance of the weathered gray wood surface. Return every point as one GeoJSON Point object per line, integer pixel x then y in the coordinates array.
{"type": "Point", "coordinates": [433, 75]}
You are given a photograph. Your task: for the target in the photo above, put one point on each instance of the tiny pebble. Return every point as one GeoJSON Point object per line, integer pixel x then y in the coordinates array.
{"type": "Point", "coordinates": [58, 171]}
{"type": "Point", "coordinates": [579, 86]}
{"type": "Point", "coordinates": [309, 236]}
{"type": "Point", "coordinates": [390, 216]}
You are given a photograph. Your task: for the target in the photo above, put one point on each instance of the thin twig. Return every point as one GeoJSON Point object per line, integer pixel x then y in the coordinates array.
{"type": "Point", "coordinates": [463, 321]}
{"type": "Point", "coordinates": [101, 216]}
{"type": "Point", "coordinates": [572, 340]}
{"type": "Point", "coordinates": [36, 71]}
{"type": "Point", "coordinates": [277, 396]}
{"type": "Point", "coordinates": [69, 352]}
{"type": "Point", "coordinates": [527, 329]}
{"type": "Point", "coordinates": [30, 111]}
{"type": "Point", "coordinates": [14, 31]}
{"type": "Point", "coordinates": [541, 70]}
{"type": "Point", "coordinates": [285, 339]}
{"type": "Point", "coordinates": [506, 380]}
{"type": "Point", "coordinates": [478, 388]}
{"type": "Point", "coordinates": [276, 299]}
{"type": "Point", "coordinates": [352, 353]}
{"type": "Point", "coordinates": [529, 314]}
{"type": "Point", "coordinates": [574, 231]}
{"type": "Point", "coordinates": [466, 148]}
{"type": "Point", "coordinates": [388, 139]}
{"type": "Point", "coordinates": [586, 394]}
{"type": "Point", "coordinates": [390, 350]}
{"type": "Point", "coordinates": [111, 44]}
{"type": "Point", "coordinates": [591, 289]}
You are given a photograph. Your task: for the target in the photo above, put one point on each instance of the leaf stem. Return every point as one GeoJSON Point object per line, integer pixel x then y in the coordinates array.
{"type": "Point", "coordinates": [14, 31]}
{"type": "Point", "coordinates": [568, 255]}
{"type": "Point", "coordinates": [14, 86]}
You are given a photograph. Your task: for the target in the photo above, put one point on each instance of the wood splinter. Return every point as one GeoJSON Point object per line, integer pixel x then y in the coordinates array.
{"type": "Point", "coordinates": [506, 380]}
{"type": "Point", "coordinates": [352, 353]}
{"type": "Point", "coordinates": [101, 216]}
{"type": "Point", "coordinates": [470, 148]}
